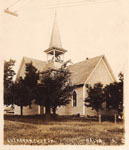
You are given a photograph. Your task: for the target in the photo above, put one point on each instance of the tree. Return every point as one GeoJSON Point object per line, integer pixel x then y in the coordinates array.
{"type": "Point", "coordinates": [20, 92]}
{"type": "Point", "coordinates": [8, 81]}
{"type": "Point", "coordinates": [54, 89]}
{"type": "Point", "coordinates": [114, 95]}
{"type": "Point", "coordinates": [24, 88]}
{"type": "Point", "coordinates": [95, 97]}
{"type": "Point", "coordinates": [31, 79]}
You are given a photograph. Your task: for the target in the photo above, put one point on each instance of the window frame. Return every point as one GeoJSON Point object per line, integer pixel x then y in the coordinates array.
{"type": "Point", "coordinates": [74, 100]}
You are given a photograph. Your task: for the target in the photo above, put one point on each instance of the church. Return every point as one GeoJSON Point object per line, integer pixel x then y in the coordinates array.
{"type": "Point", "coordinates": [89, 71]}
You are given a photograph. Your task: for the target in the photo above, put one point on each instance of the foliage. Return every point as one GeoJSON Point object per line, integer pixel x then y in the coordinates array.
{"type": "Point", "coordinates": [31, 79]}
{"type": "Point", "coordinates": [8, 81]}
{"type": "Point", "coordinates": [24, 88]}
{"type": "Point", "coordinates": [114, 95]}
{"type": "Point", "coordinates": [54, 89]}
{"type": "Point", "coordinates": [95, 96]}
{"type": "Point", "coordinates": [20, 92]}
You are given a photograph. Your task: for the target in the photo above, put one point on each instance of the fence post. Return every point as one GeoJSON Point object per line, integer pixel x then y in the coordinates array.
{"type": "Point", "coordinates": [100, 119]}
{"type": "Point", "coordinates": [115, 118]}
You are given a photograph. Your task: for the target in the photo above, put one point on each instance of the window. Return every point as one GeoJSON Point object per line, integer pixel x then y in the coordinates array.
{"type": "Point", "coordinates": [74, 99]}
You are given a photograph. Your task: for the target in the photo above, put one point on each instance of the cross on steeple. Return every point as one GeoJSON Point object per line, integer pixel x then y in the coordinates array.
{"type": "Point", "coordinates": [55, 49]}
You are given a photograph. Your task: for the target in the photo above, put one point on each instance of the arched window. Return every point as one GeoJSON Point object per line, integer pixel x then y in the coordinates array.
{"type": "Point", "coordinates": [74, 99]}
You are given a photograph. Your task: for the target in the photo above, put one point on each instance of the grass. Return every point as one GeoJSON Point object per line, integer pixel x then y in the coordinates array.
{"type": "Point", "coordinates": [36, 130]}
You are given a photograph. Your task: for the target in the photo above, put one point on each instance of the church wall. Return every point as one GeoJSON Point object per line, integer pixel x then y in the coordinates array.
{"type": "Point", "coordinates": [26, 110]}
{"type": "Point", "coordinates": [22, 71]}
{"type": "Point", "coordinates": [69, 109]}
{"type": "Point", "coordinates": [101, 75]}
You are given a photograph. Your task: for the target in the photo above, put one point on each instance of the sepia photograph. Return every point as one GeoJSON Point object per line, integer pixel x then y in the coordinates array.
{"type": "Point", "coordinates": [64, 75]}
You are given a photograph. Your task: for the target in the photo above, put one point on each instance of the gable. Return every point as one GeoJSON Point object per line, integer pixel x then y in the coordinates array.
{"type": "Point", "coordinates": [101, 73]}
{"type": "Point", "coordinates": [81, 71]}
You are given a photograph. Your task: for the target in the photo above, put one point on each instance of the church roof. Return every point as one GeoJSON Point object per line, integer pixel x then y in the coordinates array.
{"type": "Point", "coordinates": [57, 49]}
{"type": "Point", "coordinates": [82, 70]}
{"type": "Point", "coordinates": [37, 63]}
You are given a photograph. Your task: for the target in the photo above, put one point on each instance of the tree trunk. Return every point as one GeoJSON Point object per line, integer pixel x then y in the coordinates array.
{"type": "Point", "coordinates": [54, 111]}
{"type": "Point", "coordinates": [21, 107]}
{"type": "Point", "coordinates": [47, 113]}
{"type": "Point", "coordinates": [30, 106]}
{"type": "Point", "coordinates": [47, 110]}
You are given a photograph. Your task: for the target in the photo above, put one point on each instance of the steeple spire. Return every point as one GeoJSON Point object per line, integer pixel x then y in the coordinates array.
{"type": "Point", "coordinates": [55, 36]}
{"type": "Point", "coordinates": [55, 52]}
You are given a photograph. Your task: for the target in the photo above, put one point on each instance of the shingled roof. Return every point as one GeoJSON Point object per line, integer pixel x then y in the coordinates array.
{"type": "Point", "coordinates": [81, 71]}
{"type": "Point", "coordinates": [37, 63]}
{"type": "Point", "coordinates": [40, 65]}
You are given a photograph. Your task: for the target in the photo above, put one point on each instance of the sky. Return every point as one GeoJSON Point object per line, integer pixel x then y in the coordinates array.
{"type": "Point", "coordinates": [88, 29]}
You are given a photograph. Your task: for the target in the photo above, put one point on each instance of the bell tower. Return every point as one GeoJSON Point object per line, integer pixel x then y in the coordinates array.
{"type": "Point", "coordinates": [55, 52]}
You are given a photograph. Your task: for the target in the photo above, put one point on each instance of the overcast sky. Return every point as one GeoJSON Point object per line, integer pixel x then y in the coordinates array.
{"type": "Point", "coordinates": [89, 29]}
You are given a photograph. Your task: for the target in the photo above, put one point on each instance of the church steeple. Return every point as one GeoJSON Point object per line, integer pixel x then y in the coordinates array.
{"type": "Point", "coordinates": [55, 36]}
{"type": "Point", "coordinates": [55, 50]}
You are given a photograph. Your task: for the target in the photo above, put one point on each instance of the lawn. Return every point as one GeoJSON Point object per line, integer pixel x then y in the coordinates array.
{"type": "Point", "coordinates": [36, 130]}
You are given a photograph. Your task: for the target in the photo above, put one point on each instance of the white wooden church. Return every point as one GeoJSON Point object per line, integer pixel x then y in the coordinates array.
{"type": "Point", "coordinates": [89, 71]}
